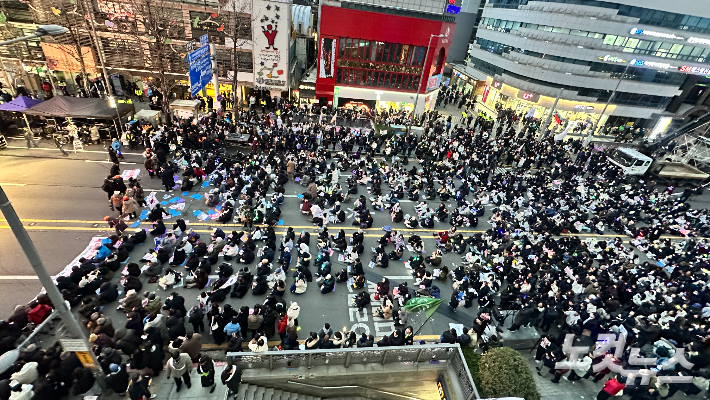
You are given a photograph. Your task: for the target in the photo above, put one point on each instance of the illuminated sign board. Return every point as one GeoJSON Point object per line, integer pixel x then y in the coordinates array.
{"type": "Point", "coordinates": [452, 9]}
{"type": "Point", "coordinates": [582, 107]}
{"type": "Point", "coordinates": [694, 70]}
{"type": "Point", "coordinates": [650, 64]}
{"type": "Point", "coordinates": [610, 58]}
{"type": "Point", "coordinates": [528, 96]}
{"type": "Point", "coordinates": [695, 40]}
{"type": "Point", "coordinates": [636, 31]}
{"type": "Point", "coordinates": [497, 85]}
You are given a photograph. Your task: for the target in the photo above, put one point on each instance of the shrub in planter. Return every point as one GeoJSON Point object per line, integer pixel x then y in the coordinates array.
{"type": "Point", "coordinates": [504, 372]}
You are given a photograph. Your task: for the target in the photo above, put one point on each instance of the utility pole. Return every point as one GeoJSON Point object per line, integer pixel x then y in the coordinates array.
{"type": "Point", "coordinates": [215, 77]}
{"type": "Point", "coordinates": [60, 305]}
{"type": "Point", "coordinates": [546, 124]}
{"type": "Point", "coordinates": [613, 94]}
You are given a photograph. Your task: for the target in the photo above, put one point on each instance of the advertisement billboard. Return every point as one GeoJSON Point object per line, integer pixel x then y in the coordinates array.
{"type": "Point", "coordinates": [433, 82]}
{"type": "Point", "coordinates": [63, 57]}
{"type": "Point", "coordinates": [270, 37]}
{"type": "Point", "coordinates": [327, 58]}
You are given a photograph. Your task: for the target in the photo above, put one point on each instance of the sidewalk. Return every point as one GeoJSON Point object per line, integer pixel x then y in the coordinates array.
{"type": "Point", "coordinates": [165, 389]}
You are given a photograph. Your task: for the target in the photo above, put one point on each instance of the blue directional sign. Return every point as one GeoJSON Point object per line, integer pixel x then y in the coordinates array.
{"type": "Point", "coordinates": [204, 39]}
{"type": "Point", "coordinates": [197, 54]}
{"type": "Point", "coordinates": [200, 69]}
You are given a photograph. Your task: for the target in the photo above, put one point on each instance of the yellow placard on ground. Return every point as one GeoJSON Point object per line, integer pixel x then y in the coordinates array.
{"type": "Point", "coordinates": [85, 359]}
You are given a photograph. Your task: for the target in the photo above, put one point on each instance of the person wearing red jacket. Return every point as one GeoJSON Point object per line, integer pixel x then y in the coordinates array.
{"type": "Point", "coordinates": [611, 388]}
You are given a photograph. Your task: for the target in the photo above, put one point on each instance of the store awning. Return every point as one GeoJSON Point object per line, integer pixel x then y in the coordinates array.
{"type": "Point", "coordinates": [469, 72]}
{"type": "Point", "coordinates": [20, 103]}
{"type": "Point", "coordinates": [79, 107]}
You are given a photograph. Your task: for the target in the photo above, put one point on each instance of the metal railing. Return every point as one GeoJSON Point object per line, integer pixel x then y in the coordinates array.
{"type": "Point", "coordinates": [346, 357]}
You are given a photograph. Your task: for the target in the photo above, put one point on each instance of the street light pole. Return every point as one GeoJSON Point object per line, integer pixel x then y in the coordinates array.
{"type": "Point", "coordinates": [44, 30]}
{"type": "Point", "coordinates": [60, 305]}
{"type": "Point", "coordinates": [548, 120]}
{"type": "Point", "coordinates": [594, 127]}
{"type": "Point", "coordinates": [421, 78]}
{"type": "Point", "coordinates": [23, 238]}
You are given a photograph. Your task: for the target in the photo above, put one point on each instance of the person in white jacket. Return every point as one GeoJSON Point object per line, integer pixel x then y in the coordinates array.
{"type": "Point", "coordinates": [179, 367]}
{"type": "Point", "coordinates": [258, 345]}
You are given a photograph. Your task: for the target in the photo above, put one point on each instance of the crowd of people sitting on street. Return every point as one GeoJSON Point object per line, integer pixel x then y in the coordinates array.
{"type": "Point", "coordinates": [570, 247]}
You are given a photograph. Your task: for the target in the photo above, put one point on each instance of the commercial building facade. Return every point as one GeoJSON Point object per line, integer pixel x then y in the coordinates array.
{"type": "Point", "coordinates": [374, 55]}
{"type": "Point", "coordinates": [253, 52]}
{"type": "Point", "coordinates": [527, 53]}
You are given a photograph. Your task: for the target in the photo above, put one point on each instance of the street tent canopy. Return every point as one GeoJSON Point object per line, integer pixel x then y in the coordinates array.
{"type": "Point", "coordinates": [20, 103]}
{"type": "Point", "coordinates": [79, 107]}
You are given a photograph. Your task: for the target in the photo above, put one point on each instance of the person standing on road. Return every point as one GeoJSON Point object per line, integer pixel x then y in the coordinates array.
{"type": "Point", "coordinates": [290, 169]}
{"type": "Point", "coordinates": [59, 142]}
{"type": "Point", "coordinates": [179, 367]}
{"type": "Point", "coordinates": [29, 138]}
{"type": "Point", "coordinates": [116, 146]}
{"type": "Point", "coordinates": [166, 174]}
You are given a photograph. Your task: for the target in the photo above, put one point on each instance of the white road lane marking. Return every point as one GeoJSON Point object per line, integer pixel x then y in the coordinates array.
{"type": "Point", "coordinates": [18, 277]}
{"type": "Point", "coordinates": [85, 151]}
{"type": "Point", "coordinates": [109, 162]}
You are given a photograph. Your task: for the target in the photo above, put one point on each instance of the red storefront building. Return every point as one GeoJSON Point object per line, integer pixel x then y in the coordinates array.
{"type": "Point", "coordinates": [375, 59]}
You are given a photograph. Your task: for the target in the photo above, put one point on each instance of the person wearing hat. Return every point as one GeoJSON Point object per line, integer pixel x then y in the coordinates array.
{"type": "Point", "coordinates": [179, 367]}
{"type": "Point", "coordinates": [117, 379]}
{"type": "Point", "coordinates": [100, 341]}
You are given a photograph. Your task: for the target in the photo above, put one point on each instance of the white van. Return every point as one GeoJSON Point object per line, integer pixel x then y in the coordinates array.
{"type": "Point", "coordinates": [631, 161]}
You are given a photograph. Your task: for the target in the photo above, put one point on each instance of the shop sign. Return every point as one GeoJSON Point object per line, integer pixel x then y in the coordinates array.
{"type": "Point", "coordinates": [497, 85]}
{"type": "Point", "coordinates": [270, 37]}
{"type": "Point", "coordinates": [694, 70]}
{"type": "Point", "coordinates": [582, 107]}
{"type": "Point", "coordinates": [697, 40]}
{"type": "Point", "coordinates": [307, 87]}
{"type": "Point", "coordinates": [117, 85]}
{"type": "Point", "coordinates": [610, 58]}
{"type": "Point", "coordinates": [440, 387]}
{"type": "Point", "coordinates": [452, 9]}
{"type": "Point", "coordinates": [636, 31]}
{"type": "Point", "coordinates": [528, 96]}
{"type": "Point", "coordinates": [433, 82]}
{"type": "Point", "coordinates": [485, 93]}
{"type": "Point", "coordinates": [650, 64]}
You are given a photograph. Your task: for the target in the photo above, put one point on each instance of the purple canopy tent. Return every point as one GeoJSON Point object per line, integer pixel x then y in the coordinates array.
{"type": "Point", "coordinates": [20, 104]}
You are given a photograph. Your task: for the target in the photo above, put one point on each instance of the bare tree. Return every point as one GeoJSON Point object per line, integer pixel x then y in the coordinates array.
{"type": "Point", "coordinates": [156, 25]}
{"type": "Point", "coordinates": [241, 36]}
{"type": "Point", "coordinates": [76, 40]}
